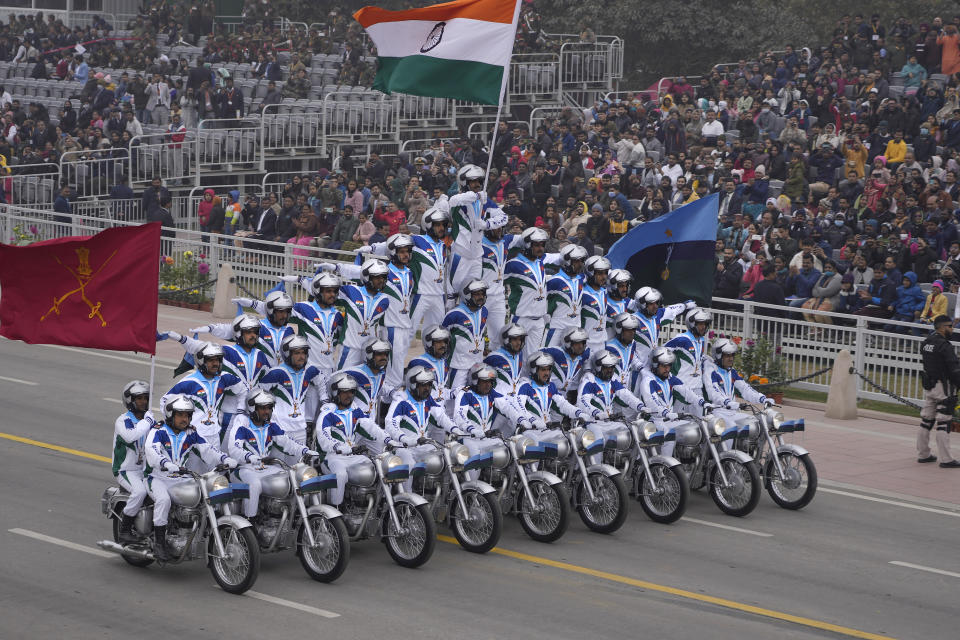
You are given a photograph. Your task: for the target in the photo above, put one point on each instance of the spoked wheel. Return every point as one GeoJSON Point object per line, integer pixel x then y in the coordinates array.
{"type": "Point", "coordinates": [115, 522]}
{"type": "Point", "coordinates": [663, 493]}
{"type": "Point", "coordinates": [326, 561]}
{"type": "Point", "coordinates": [742, 494]}
{"type": "Point", "coordinates": [799, 484]}
{"type": "Point", "coordinates": [608, 510]}
{"type": "Point", "coordinates": [546, 519]}
{"type": "Point", "coordinates": [411, 543]}
{"type": "Point", "coordinates": [238, 569]}
{"type": "Point", "coordinates": [479, 529]}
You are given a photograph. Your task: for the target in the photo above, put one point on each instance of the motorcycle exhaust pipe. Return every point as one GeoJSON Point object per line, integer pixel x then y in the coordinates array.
{"type": "Point", "coordinates": [110, 545]}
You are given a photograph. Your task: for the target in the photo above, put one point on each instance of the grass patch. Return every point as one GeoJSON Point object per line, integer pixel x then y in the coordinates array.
{"type": "Point", "coordinates": [873, 405]}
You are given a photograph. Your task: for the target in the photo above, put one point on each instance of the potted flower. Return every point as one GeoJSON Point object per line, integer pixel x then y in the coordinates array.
{"type": "Point", "coordinates": [760, 362]}
{"type": "Point", "coordinates": [183, 280]}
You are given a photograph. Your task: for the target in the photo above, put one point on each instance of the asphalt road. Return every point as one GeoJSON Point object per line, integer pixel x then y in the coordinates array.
{"type": "Point", "coordinates": [829, 564]}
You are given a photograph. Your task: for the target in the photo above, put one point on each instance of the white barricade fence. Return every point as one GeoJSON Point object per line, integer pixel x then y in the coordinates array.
{"type": "Point", "coordinates": [158, 156]}
{"type": "Point", "coordinates": [227, 144]}
{"type": "Point", "coordinates": [32, 184]}
{"type": "Point", "coordinates": [419, 112]}
{"type": "Point", "coordinates": [534, 77]}
{"type": "Point", "coordinates": [347, 117]}
{"type": "Point", "coordinates": [93, 172]}
{"type": "Point", "coordinates": [292, 128]}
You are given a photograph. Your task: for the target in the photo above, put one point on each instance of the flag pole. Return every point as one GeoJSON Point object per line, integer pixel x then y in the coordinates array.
{"type": "Point", "coordinates": [503, 89]}
{"type": "Point", "coordinates": [153, 367]}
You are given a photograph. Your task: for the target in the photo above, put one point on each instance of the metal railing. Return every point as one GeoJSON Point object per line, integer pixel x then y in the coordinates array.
{"type": "Point", "coordinates": [534, 77]}
{"type": "Point", "coordinates": [226, 145]}
{"type": "Point", "coordinates": [94, 172]}
{"type": "Point", "coordinates": [32, 184]}
{"type": "Point", "coordinates": [418, 112]}
{"type": "Point", "coordinates": [291, 129]}
{"type": "Point", "coordinates": [157, 156]}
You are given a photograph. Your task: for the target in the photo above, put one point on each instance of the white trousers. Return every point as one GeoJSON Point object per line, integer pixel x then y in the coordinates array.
{"type": "Point", "coordinates": [157, 488]}
{"type": "Point", "coordinates": [253, 476]}
{"type": "Point", "coordinates": [535, 329]}
{"type": "Point", "coordinates": [399, 339]}
{"type": "Point", "coordinates": [133, 483]}
{"type": "Point", "coordinates": [430, 311]}
{"type": "Point", "coordinates": [496, 319]}
{"type": "Point", "coordinates": [338, 464]}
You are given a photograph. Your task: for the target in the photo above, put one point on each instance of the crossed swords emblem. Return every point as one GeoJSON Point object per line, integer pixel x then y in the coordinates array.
{"type": "Point", "coordinates": [83, 274]}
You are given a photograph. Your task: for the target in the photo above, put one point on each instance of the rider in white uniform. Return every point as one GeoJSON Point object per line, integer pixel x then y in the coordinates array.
{"type": "Point", "coordinates": [601, 393]}
{"type": "Point", "coordinates": [565, 293]}
{"type": "Point", "coordinates": [296, 386]}
{"type": "Point", "coordinates": [723, 383]}
{"type": "Point", "coordinates": [507, 361]}
{"type": "Point", "coordinates": [496, 250]}
{"type": "Point", "coordinates": [363, 308]}
{"type": "Point", "coordinates": [618, 296]}
{"type": "Point", "coordinates": [277, 307]}
{"type": "Point", "coordinates": [653, 316]}
{"type": "Point", "coordinates": [129, 433]}
{"type": "Point", "coordinates": [570, 362]}
{"type": "Point", "coordinates": [435, 357]}
{"type": "Point", "coordinates": [319, 320]}
{"type": "Point", "coordinates": [594, 308]}
{"type": "Point", "coordinates": [625, 327]}
{"type": "Point", "coordinates": [467, 324]}
{"type": "Point", "coordinates": [543, 402]}
{"type": "Point", "coordinates": [662, 391]}
{"type": "Point", "coordinates": [471, 213]}
{"type": "Point", "coordinates": [692, 350]}
{"type": "Point", "coordinates": [371, 378]}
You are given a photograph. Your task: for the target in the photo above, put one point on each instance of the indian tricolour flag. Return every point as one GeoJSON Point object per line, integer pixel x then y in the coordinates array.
{"type": "Point", "coordinates": [457, 49]}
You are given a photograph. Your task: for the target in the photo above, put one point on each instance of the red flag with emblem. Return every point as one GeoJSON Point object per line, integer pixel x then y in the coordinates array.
{"type": "Point", "coordinates": [84, 291]}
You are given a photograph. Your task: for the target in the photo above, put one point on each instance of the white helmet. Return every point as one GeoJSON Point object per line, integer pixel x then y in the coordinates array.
{"type": "Point", "coordinates": [696, 315]}
{"type": "Point", "coordinates": [432, 334]}
{"type": "Point", "coordinates": [207, 351]}
{"type": "Point", "coordinates": [179, 402]}
{"type": "Point", "coordinates": [374, 347]}
{"type": "Point", "coordinates": [618, 276]}
{"type": "Point", "coordinates": [625, 321]}
{"type": "Point", "coordinates": [539, 359]}
{"type": "Point", "coordinates": [594, 264]}
{"type": "Point", "coordinates": [573, 334]}
{"type": "Point", "coordinates": [472, 287]}
{"type": "Point", "coordinates": [324, 280]}
{"type": "Point", "coordinates": [372, 269]}
{"type": "Point", "coordinates": [645, 296]}
{"type": "Point", "coordinates": [416, 376]}
{"type": "Point", "coordinates": [131, 390]}
{"type": "Point", "coordinates": [291, 343]}
{"type": "Point", "coordinates": [723, 346]}
{"type": "Point", "coordinates": [512, 330]}
{"type": "Point", "coordinates": [572, 252]}
{"type": "Point", "coordinates": [482, 371]}
{"type": "Point", "coordinates": [277, 301]}
{"type": "Point", "coordinates": [260, 398]}
{"type": "Point", "coordinates": [604, 358]}
{"type": "Point", "coordinates": [434, 215]}
{"type": "Point", "coordinates": [244, 322]}
{"type": "Point", "coordinates": [341, 381]}
{"type": "Point", "coordinates": [467, 173]}
{"type": "Point", "coordinates": [398, 241]}
{"type": "Point", "coordinates": [661, 355]}
{"type": "Point", "coordinates": [532, 235]}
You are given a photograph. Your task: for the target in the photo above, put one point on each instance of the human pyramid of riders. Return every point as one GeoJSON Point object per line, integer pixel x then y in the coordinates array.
{"type": "Point", "coordinates": [332, 380]}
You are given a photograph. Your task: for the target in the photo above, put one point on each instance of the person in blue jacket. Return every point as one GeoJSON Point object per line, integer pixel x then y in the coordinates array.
{"type": "Point", "coordinates": [801, 281]}
{"type": "Point", "coordinates": [908, 303]}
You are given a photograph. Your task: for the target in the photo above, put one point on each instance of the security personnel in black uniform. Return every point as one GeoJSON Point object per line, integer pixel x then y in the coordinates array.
{"type": "Point", "coordinates": [941, 378]}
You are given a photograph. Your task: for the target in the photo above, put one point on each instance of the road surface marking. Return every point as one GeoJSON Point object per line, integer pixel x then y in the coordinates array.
{"type": "Point", "coordinates": [895, 503]}
{"type": "Point", "coordinates": [62, 543]}
{"type": "Point", "coordinates": [727, 527]}
{"type": "Point", "coordinates": [564, 566]}
{"type": "Point", "coordinates": [910, 565]}
{"type": "Point", "coordinates": [55, 447]}
{"type": "Point", "coordinates": [18, 381]}
{"type": "Point", "coordinates": [323, 613]}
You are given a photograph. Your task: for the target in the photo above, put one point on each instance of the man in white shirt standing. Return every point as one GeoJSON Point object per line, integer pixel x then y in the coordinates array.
{"type": "Point", "coordinates": [712, 129]}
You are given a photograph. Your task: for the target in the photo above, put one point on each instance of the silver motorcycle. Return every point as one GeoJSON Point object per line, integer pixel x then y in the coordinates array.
{"type": "Point", "coordinates": [293, 516]}
{"type": "Point", "coordinates": [538, 498]}
{"type": "Point", "coordinates": [202, 526]}
{"type": "Point", "coordinates": [732, 475]}
{"type": "Point", "coordinates": [657, 481]}
{"type": "Point", "coordinates": [373, 506]}
{"type": "Point", "coordinates": [790, 476]}
{"type": "Point", "coordinates": [468, 507]}
{"type": "Point", "coordinates": [598, 490]}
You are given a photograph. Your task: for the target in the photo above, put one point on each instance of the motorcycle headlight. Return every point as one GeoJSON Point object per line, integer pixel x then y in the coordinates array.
{"type": "Point", "coordinates": [648, 430]}
{"type": "Point", "coordinates": [776, 418]}
{"type": "Point", "coordinates": [306, 473]}
{"type": "Point", "coordinates": [459, 453]}
{"type": "Point", "coordinates": [719, 426]}
{"type": "Point", "coordinates": [220, 483]}
{"type": "Point", "coordinates": [392, 462]}
{"type": "Point", "coordinates": [587, 438]}
{"type": "Point", "coordinates": [522, 442]}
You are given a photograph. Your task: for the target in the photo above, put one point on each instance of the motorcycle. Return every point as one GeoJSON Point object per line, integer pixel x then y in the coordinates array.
{"type": "Point", "coordinates": [202, 525]}
{"type": "Point", "coordinates": [292, 515]}
{"type": "Point", "coordinates": [468, 507]}
{"type": "Point", "coordinates": [598, 491]}
{"type": "Point", "coordinates": [372, 507]}
{"type": "Point", "coordinates": [538, 498]}
{"type": "Point", "coordinates": [732, 475]}
{"type": "Point", "coordinates": [790, 476]}
{"type": "Point", "coordinates": [657, 481]}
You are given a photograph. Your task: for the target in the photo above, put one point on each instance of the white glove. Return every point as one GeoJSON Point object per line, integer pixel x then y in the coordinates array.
{"type": "Point", "coordinates": [173, 335]}
{"type": "Point", "coordinates": [170, 467]}
{"type": "Point", "coordinates": [768, 402]}
{"type": "Point", "coordinates": [205, 328]}
{"type": "Point", "coordinates": [329, 266]}
{"type": "Point", "coordinates": [230, 462]}
{"type": "Point", "coordinates": [292, 279]}
{"type": "Point", "coordinates": [365, 249]}
{"type": "Point", "coordinates": [253, 459]}
{"type": "Point", "coordinates": [600, 415]}
{"type": "Point", "coordinates": [671, 415]}
{"type": "Point", "coordinates": [243, 302]}
{"type": "Point", "coordinates": [731, 405]}
{"type": "Point", "coordinates": [148, 416]}
{"type": "Point", "coordinates": [309, 452]}
{"type": "Point", "coordinates": [498, 221]}
{"type": "Point", "coordinates": [707, 405]}
{"type": "Point", "coordinates": [689, 304]}
{"type": "Point", "coordinates": [341, 448]}
{"type": "Point", "coordinates": [537, 423]}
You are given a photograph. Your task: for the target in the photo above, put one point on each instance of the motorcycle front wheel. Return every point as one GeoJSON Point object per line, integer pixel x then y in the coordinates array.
{"type": "Point", "coordinates": [238, 570]}
{"type": "Point", "coordinates": [479, 529]}
{"type": "Point", "coordinates": [799, 484]}
{"type": "Point", "coordinates": [326, 561]}
{"type": "Point", "coordinates": [411, 543]}
{"type": "Point", "coordinates": [663, 493]}
{"type": "Point", "coordinates": [115, 521]}
{"type": "Point", "coordinates": [743, 493]}
{"type": "Point", "coordinates": [546, 519]}
{"type": "Point", "coordinates": [608, 511]}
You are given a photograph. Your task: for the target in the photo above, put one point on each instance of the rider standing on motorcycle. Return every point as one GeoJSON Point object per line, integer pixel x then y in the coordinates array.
{"type": "Point", "coordinates": [723, 383]}
{"type": "Point", "coordinates": [471, 214]}
{"type": "Point", "coordinates": [371, 377]}
{"type": "Point", "coordinates": [570, 362]}
{"type": "Point", "coordinates": [344, 430]}
{"type": "Point", "coordinates": [319, 320]}
{"type": "Point", "coordinates": [600, 391]}
{"type": "Point", "coordinates": [168, 448]}
{"type": "Point", "coordinates": [507, 361]}
{"type": "Point", "coordinates": [242, 359]}
{"type": "Point", "coordinates": [692, 353]}
{"type": "Point", "coordinates": [496, 247]}
{"type": "Point", "coordinates": [298, 388]}
{"type": "Point", "coordinates": [594, 311]}
{"type": "Point", "coordinates": [649, 309]}
{"type": "Point", "coordinates": [625, 327]}
{"type": "Point", "coordinates": [659, 389]}
{"type": "Point", "coordinates": [129, 432]}
{"type": "Point", "coordinates": [436, 349]}
{"type": "Point", "coordinates": [253, 437]}
{"type": "Point", "coordinates": [541, 399]}
{"type": "Point", "coordinates": [618, 296]}
{"type": "Point", "coordinates": [526, 279]}
{"type": "Point", "coordinates": [564, 292]}
{"type": "Point", "coordinates": [363, 307]}
{"type": "Point", "coordinates": [277, 308]}
{"type": "Point", "coordinates": [467, 324]}
{"type": "Point", "coordinates": [208, 387]}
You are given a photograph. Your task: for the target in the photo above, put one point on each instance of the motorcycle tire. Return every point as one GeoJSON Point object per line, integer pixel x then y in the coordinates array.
{"type": "Point", "coordinates": [775, 487]}
{"type": "Point", "coordinates": [614, 492]}
{"type": "Point", "coordinates": [416, 547]}
{"type": "Point", "coordinates": [481, 537]}
{"type": "Point", "coordinates": [669, 505]}
{"type": "Point", "coordinates": [742, 475]}
{"type": "Point", "coordinates": [115, 522]}
{"type": "Point", "coordinates": [325, 564]}
{"type": "Point", "coordinates": [236, 573]}
{"type": "Point", "coordinates": [550, 527]}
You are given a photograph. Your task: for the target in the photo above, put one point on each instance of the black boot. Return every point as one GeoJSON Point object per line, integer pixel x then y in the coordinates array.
{"type": "Point", "coordinates": [160, 543]}
{"type": "Point", "coordinates": [125, 535]}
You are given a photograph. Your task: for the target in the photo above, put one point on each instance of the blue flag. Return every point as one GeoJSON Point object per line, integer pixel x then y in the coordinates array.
{"type": "Point", "coordinates": [674, 253]}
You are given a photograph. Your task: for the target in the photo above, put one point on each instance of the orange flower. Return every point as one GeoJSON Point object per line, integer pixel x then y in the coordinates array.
{"type": "Point", "coordinates": [764, 381]}
{"type": "Point", "coordinates": [753, 378]}
{"type": "Point", "coordinates": [168, 260]}
{"type": "Point", "coordinates": [737, 340]}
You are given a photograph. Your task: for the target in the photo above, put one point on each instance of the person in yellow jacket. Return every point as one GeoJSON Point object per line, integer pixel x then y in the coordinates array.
{"type": "Point", "coordinates": [936, 304]}
{"type": "Point", "coordinates": [896, 151]}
